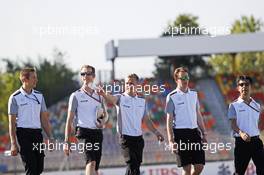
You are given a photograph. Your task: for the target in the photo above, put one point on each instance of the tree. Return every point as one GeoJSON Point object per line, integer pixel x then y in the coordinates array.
{"type": "Point", "coordinates": [8, 83]}
{"type": "Point", "coordinates": [184, 24]}
{"type": "Point", "coordinates": [55, 79]}
{"type": "Point", "coordinates": [240, 62]}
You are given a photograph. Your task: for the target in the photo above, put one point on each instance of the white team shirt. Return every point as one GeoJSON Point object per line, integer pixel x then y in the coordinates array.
{"type": "Point", "coordinates": [27, 108]}
{"type": "Point", "coordinates": [183, 106]}
{"type": "Point", "coordinates": [246, 115]}
{"type": "Point", "coordinates": [130, 113]}
{"type": "Point", "coordinates": [85, 106]}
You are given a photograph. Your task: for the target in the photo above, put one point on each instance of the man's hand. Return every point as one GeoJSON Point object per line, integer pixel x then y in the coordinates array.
{"type": "Point", "coordinates": [14, 149]}
{"type": "Point", "coordinates": [204, 137]}
{"type": "Point", "coordinates": [244, 136]}
{"type": "Point", "coordinates": [51, 144]}
{"type": "Point", "coordinates": [159, 136]}
{"type": "Point", "coordinates": [66, 148]}
{"type": "Point", "coordinates": [100, 91]}
{"type": "Point", "coordinates": [173, 147]}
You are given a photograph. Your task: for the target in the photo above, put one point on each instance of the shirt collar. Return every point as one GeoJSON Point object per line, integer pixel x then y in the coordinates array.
{"type": "Point", "coordinates": [24, 92]}
{"type": "Point", "coordinates": [241, 100]}
{"type": "Point", "coordinates": [181, 92]}
{"type": "Point", "coordinates": [126, 94]}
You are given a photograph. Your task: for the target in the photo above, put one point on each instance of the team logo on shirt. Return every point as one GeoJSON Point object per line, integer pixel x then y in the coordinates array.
{"type": "Point", "coordinates": [126, 106]}
{"type": "Point", "coordinates": [181, 103]}
{"type": "Point", "coordinates": [83, 101]}
{"type": "Point", "coordinates": [241, 110]}
{"type": "Point", "coordinates": [23, 104]}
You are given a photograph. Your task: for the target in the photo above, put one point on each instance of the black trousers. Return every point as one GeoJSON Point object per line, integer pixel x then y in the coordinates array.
{"type": "Point", "coordinates": [188, 154]}
{"type": "Point", "coordinates": [132, 150]}
{"type": "Point", "coordinates": [244, 151]}
{"type": "Point", "coordinates": [29, 141]}
{"type": "Point", "coordinates": [93, 138]}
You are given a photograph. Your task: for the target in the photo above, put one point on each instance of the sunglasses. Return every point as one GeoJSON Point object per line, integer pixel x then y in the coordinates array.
{"type": "Point", "coordinates": [130, 84]}
{"type": "Point", "coordinates": [185, 78]}
{"type": "Point", "coordinates": [243, 84]}
{"type": "Point", "coordinates": [86, 73]}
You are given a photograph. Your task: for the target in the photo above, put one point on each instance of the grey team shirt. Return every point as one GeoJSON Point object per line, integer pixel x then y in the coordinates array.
{"type": "Point", "coordinates": [84, 107]}
{"type": "Point", "coordinates": [246, 115]}
{"type": "Point", "coordinates": [27, 108]}
{"type": "Point", "coordinates": [130, 112]}
{"type": "Point", "coordinates": [183, 106]}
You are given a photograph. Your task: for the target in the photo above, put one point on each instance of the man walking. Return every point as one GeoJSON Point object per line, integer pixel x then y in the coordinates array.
{"type": "Point", "coordinates": [244, 114]}
{"type": "Point", "coordinates": [86, 105]}
{"type": "Point", "coordinates": [27, 115]}
{"type": "Point", "coordinates": [183, 119]}
{"type": "Point", "coordinates": [132, 109]}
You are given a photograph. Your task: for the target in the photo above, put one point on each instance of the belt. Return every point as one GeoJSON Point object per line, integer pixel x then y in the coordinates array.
{"type": "Point", "coordinates": [28, 129]}
{"type": "Point", "coordinates": [251, 138]}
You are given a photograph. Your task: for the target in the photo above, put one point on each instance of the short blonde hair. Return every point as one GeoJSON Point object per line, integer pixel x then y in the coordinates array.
{"type": "Point", "coordinates": [133, 75]}
{"type": "Point", "coordinates": [87, 67]}
{"type": "Point", "coordinates": [25, 73]}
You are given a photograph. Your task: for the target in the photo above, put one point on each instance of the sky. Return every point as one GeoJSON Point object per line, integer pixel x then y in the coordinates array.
{"type": "Point", "coordinates": [81, 28]}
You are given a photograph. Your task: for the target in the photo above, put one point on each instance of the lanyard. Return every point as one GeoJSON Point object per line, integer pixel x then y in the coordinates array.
{"type": "Point", "coordinates": [251, 107]}
{"type": "Point", "coordinates": [35, 99]}
{"type": "Point", "coordinates": [91, 96]}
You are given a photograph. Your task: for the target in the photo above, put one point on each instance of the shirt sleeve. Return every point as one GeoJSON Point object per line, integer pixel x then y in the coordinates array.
{"type": "Point", "coordinates": [43, 106]}
{"type": "Point", "coordinates": [12, 106]}
{"type": "Point", "coordinates": [169, 107]}
{"type": "Point", "coordinates": [118, 96]}
{"type": "Point", "coordinates": [73, 103]}
{"type": "Point", "coordinates": [231, 114]}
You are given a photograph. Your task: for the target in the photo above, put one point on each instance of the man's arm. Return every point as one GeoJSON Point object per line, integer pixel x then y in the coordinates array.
{"type": "Point", "coordinates": [169, 109]}
{"type": "Point", "coordinates": [68, 131]}
{"type": "Point", "coordinates": [12, 115]}
{"type": "Point", "coordinates": [72, 108]}
{"type": "Point", "coordinates": [234, 125]}
{"type": "Point", "coordinates": [170, 128]}
{"type": "Point", "coordinates": [200, 122]}
{"type": "Point", "coordinates": [108, 97]}
{"type": "Point", "coordinates": [261, 112]}
{"type": "Point", "coordinates": [150, 125]}
{"type": "Point", "coordinates": [232, 117]}
{"type": "Point", "coordinates": [45, 123]}
{"type": "Point", "coordinates": [44, 119]}
{"type": "Point", "coordinates": [68, 128]}
{"type": "Point", "coordinates": [12, 133]}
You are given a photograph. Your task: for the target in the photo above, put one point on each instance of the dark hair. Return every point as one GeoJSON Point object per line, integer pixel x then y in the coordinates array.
{"type": "Point", "coordinates": [178, 70]}
{"type": "Point", "coordinates": [244, 78]}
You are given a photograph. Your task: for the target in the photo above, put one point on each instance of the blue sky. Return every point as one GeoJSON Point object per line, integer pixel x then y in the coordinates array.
{"type": "Point", "coordinates": [82, 27]}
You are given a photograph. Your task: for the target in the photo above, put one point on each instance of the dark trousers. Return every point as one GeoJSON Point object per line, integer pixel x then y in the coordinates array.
{"type": "Point", "coordinates": [91, 137]}
{"type": "Point", "coordinates": [132, 150]}
{"type": "Point", "coordinates": [189, 154]}
{"type": "Point", "coordinates": [33, 159]}
{"type": "Point", "coordinates": [244, 151]}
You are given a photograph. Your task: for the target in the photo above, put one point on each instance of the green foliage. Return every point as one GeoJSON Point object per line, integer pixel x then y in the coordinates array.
{"type": "Point", "coordinates": [195, 63]}
{"type": "Point", "coordinates": [240, 62]}
{"type": "Point", "coordinates": [55, 79]}
{"type": "Point", "coordinates": [9, 83]}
